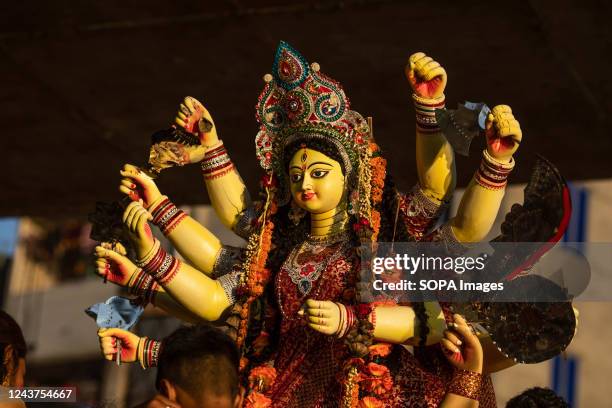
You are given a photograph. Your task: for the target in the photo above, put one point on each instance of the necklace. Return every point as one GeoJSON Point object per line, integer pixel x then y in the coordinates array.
{"type": "Point", "coordinates": [308, 261]}
{"type": "Point", "coordinates": [328, 239]}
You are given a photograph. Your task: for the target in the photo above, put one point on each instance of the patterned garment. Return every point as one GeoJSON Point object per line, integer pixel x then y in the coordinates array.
{"type": "Point", "coordinates": [309, 364]}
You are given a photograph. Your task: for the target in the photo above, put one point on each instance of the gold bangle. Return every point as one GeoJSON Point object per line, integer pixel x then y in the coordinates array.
{"type": "Point", "coordinates": [155, 203]}
{"type": "Point", "coordinates": [140, 352]}
{"type": "Point", "coordinates": [149, 255]}
{"type": "Point", "coordinates": [427, 101]}
{"type": "Point", "coordinates": [133, 276]}
{"type": "Point", "coordinates": [493, 161]}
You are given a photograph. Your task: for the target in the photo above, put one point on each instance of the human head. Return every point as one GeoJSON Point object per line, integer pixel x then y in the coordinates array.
{"type": "Point", "coordinates": [198, 367]}
{"type": "Point", "coordinates": [13, 352]}
{"type": "Point", "coordinates": [317, 175]}
{"type": "Point", "coordinates": [537, 397]}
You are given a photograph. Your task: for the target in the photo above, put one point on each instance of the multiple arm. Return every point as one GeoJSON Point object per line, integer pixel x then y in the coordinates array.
{"type": "Point", "coordinates": [229, 197]}
{"type": "Point", "coordinates": [187, 292]}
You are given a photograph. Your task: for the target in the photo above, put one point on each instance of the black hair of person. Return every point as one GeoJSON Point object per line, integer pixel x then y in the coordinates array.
{"type": "Point", "coordinates": [10, 335]}
{"type": "Point", "coordinates": [537, 397]}
{"type": "Point", "coordinates": [201, 360]}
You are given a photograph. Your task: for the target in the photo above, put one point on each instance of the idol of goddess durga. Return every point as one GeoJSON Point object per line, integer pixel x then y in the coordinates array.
{"type": "Point", "coordinates": [289, 297]}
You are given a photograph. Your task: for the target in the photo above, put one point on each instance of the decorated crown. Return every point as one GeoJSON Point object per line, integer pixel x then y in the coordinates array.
{"type": "Point", "coordinates": [298, 102]}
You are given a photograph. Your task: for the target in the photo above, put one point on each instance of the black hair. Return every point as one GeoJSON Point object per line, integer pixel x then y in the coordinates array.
{"type": "Point", "coordinates": [200, 359]}
{"type": "Point", "coordinates": [10, 335]}
{"type": "Point", "coordinates": [537, 397]}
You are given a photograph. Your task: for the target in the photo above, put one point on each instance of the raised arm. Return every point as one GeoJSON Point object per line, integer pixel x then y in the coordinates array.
{"type": "Point", "coordinates": [434, 155]}
{"type": "Point", "coordinates": [482, 198]}
{"type": "Point", "coordinates": [226, 190]}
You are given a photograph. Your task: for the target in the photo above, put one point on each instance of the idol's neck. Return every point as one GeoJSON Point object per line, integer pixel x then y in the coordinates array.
{"type": "Point", "coordinates": [329, 222]}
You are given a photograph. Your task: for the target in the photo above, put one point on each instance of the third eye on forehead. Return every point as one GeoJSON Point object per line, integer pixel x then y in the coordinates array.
{"type": "Point", "coordinates": [312, 164]}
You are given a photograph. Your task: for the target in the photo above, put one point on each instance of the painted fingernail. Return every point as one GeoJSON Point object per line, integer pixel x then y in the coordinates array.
{"type": "Point", "coordinates": [458, 342]}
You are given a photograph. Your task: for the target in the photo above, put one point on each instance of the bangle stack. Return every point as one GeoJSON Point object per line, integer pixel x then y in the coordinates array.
{"type": "Point", "coordinates": [216, 163]}
{"type": "Point", "coordinates": [143, 286]}
{"type": "Point", "coordinates": [145, 259]}
{"type": "Point", "coordinates": [493, 174]}
{"type": "Point", "coordinates": [426, 113]}
{"type": "Point", "coordinates": [347, 320]}
{"type": "Point", "coordinates": [161, 266]}
{"type": "Point", "coordinates": [167, 216]}
{"type": "Point", "coordinates": [148, 352]}
{"type": "Point", "coordinates": [466, 384]}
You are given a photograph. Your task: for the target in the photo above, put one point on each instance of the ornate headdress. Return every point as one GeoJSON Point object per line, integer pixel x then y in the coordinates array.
{"type": "Point", "coordinates": [300, 103]}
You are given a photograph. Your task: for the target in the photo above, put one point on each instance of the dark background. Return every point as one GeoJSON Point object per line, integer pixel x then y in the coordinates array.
{"type": "Point", "coordinates": [83, 84]}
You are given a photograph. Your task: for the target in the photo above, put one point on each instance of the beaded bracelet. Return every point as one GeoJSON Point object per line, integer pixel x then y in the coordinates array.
{"type": "Point", "coordinates": [493, 174]}
{"type": "Point", "coordinates": [426, 113]}
{"type": "Point", "coordinates": [162, 266]}
{"type": "Point", "coordinates": [148, 352]}
{"type": "Point", "coordinates": [466, 384]}
{"type": "Point", "coordinates": [166, 215]}
{"type": "Point", "coordinates": [216, 163]}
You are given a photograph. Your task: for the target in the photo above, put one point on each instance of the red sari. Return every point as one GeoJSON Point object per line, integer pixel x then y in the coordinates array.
{"type": "Point", "coordinates": [309, 364]}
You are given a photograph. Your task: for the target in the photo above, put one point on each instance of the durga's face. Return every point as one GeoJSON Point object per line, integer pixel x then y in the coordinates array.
{"type": "Point", "coordinates": [317, 181]}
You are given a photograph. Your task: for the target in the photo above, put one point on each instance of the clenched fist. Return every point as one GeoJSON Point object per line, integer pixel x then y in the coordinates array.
{"type": "Point", "coordinates": [108, 344]}
{"type": "Point", "coordinates": [426, 76]}
{"type": "Point", "coordinates": [503, 133]}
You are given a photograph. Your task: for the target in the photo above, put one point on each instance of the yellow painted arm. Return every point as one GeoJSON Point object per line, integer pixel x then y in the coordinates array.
{"type": "Point", "coordinates": [477, 212]}
{"type": "Point", "coordinates": [399, 324]}
{"type": "Point", "coordinates": [434, 155]}
{"type": "Point", "coordinates": [199, 294]}
{"type": "Point", "coordinates": [227, 192]}
{"type": "Point", "coordinates": [193, 241]}
{"type": "Point", "coordinates": [435, 166]}
{"type": "Point", "coordinates": [167, 303]}
{"type": "Point", "coordinates": [196, 244]}
{"type": "Point", "coordinates": [480, 203]}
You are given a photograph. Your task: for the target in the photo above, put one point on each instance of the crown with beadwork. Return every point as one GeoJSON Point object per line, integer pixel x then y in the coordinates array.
{"type": "Point", "coordinates": [299, 102]}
